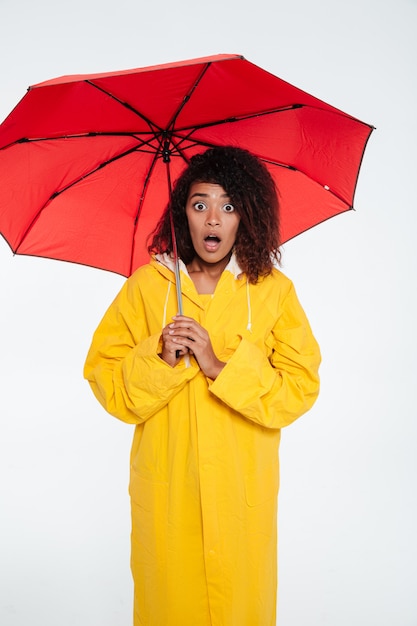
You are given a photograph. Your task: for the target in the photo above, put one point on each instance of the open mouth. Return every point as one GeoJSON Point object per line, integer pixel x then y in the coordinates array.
{"type": "Point", "coordinates": [211, 243]}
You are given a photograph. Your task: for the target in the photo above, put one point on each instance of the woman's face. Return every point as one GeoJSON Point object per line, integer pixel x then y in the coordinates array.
{"type": "Point", "coordinates": [213, 222]}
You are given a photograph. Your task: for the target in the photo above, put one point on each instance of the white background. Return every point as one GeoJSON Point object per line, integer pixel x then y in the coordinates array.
{"type": "Point", "coordinates": [348, 512]}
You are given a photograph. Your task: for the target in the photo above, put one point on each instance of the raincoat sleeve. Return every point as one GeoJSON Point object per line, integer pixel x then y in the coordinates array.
{"type": "Point", "coordinates": [274, 391]}
{"type": "Point", "coordinates": [123, 368]}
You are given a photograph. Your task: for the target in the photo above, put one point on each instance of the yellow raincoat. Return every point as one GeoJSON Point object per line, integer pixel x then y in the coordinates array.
{"type": "Point", "coordinates": [204, 461]}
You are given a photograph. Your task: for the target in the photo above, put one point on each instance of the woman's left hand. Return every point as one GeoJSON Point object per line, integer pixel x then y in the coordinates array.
{"type": "Point", "coordinates": [190, 334]}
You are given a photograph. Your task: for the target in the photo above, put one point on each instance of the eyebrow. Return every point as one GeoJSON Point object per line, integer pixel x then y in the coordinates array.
{"type": "Point", "coordinates": [206, 195]}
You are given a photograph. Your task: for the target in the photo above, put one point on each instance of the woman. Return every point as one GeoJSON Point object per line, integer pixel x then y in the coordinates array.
{"type": "Point", "coordinates": [209, 392]}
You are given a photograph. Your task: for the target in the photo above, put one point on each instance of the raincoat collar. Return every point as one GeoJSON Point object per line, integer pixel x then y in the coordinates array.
{"type": "Point", "coordinates": [167, 261]}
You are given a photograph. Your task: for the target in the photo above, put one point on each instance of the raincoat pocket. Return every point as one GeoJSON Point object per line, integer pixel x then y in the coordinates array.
{"type": "Point", "coordinates": [148, 494]}
{"type": "Point", "coordinates": [262, 485]}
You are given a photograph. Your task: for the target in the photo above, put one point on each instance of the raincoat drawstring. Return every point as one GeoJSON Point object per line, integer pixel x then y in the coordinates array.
{"type": "Point", "coordinates": [249, 326]}
{"type": "Point", "coordinates": [164, 319]}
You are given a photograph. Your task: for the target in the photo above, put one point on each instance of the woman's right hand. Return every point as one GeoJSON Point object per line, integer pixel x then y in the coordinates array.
{"type": "Point", "coordinates": [184, 335]}
{"type": "Point", "coordinates": [171, 351]}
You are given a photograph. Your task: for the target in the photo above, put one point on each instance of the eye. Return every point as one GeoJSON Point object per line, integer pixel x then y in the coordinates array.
{"type": "Point", "coordinates": [228, 208]}
{"type": "Point", "coordinates": [199, 206]}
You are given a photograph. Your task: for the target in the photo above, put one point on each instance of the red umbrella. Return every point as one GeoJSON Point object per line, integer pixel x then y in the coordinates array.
{"type": "Point", "coordinates": [86, 161]}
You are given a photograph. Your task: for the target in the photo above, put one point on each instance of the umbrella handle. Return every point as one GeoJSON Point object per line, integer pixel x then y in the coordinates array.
{"type": "Point", "coordinates": [166, 157]}
{"type": "Point", "coordinates": [179, 294]}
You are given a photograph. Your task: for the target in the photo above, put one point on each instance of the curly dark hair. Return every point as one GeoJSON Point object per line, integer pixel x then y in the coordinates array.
{"type": "Point", "coordinates": [252, 191]}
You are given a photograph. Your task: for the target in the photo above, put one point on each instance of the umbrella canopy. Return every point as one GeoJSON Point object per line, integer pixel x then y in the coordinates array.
{"type": "Point", "coordinates": [86, 162]}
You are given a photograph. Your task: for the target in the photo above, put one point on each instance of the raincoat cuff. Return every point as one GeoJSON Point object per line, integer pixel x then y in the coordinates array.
{"type": "Point", "coordinates": [248, 366]}
{"type": "Point", "coordinates": [151, 348]}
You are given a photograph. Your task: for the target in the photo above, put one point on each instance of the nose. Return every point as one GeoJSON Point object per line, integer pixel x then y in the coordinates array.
{"type": "Point", "coordinates": [212, 217]}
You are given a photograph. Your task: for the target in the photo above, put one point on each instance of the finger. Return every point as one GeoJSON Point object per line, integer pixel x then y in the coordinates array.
{"type": "Point", "coordinates": [190, 329]}
{"type": "Point", "coordinates": [169, 345]}
{"type": "Point", "coordinates": [184, 342]}
{"type": "Point", "coordinates": [183, 318]}
{"type": "Point", "coordinates": [174, 343]}
{"type": "Point", "coordinates": [185, 322]}
{"type": "Point", "coordinates": [183, 331]}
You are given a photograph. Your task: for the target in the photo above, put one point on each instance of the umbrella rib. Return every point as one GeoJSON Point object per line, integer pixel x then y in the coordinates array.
{"type": "Point", "coordinates": [187, 97]}
{"type": "Point", "coordinates": [249, 116]}
{"type": "Point", "coordinates": [145, 185]}
{"type": "Point", "coordinates": [372, 128]}
{"type": "Point", "coordinates": [128, 106]}
{"type": "Point", "coordinates": [297, 169]}
{"type": "Point", "coordinates": [228, 120]}
{"type": "Point", "coordinates": [140, 205]}
{"type": "Point", "coordinates": [179, 149]}
{"type": "Point", "coordinates": [74, 182]}
{"type": "Point", "coordinates": [325, 219]}
{"type": "Point", "coordinates": [133, 134]}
